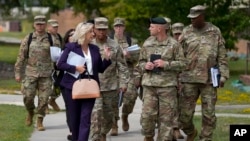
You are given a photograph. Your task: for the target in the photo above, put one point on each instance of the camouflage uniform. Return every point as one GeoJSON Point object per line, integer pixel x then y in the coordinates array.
{"type": "Point", "coordinates": [203, 49]}
{"type": "Point", "coordinates": [176, 31]}
{"type": "Point", "coordinates": [159, 89]}
{"type": "Point", "coordinates": [38, 68]}
{"type": "Point", "coordinates": [56, 87]}
{"type": "Point", "coordinates": [104, 109]}
{"type": "Point", "coordinates": [131, 93]}
{"type": "Point", "coordinates": [57, 40]}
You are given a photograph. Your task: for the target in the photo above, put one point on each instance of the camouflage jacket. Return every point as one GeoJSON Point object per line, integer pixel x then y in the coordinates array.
{"type": "Point", "coordinates": [38, 63]}
{"type": "Point", "coordinates": [203, 49]}
{"type": "Point", "coordinates": [132, 60]}
{"type": "Point", "coordinates": [116, 75]}
{"type": "Point", "coordinates": [171, 53]}
{"type": "Point", "coordinates": [57, 40]}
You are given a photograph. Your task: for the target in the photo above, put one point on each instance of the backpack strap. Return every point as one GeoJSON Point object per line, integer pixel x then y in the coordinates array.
{"type": "Point", "coordinates": [129, 41]}
{"type": "Point", "coordinates": [60, 39]}
{"type": "Point", "coordinates": [28, 44]}
{"type": "Point", "coordinates": [128, 38]}
{"type": "Point", "coordinates": [30, 40]}
{"type": "Point", "coordinates": [50, 39]}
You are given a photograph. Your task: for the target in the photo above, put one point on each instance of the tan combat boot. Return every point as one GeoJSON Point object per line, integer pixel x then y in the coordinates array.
{"type": "Point", "coordinates": [52, 103]}
{"type": "Point", "coordinates": [177, 134]}
{"type": "Point", "coordinates": [114, 130]}
{"type": "Point", "coordinates": [125, 124]}
{"type": "Point", "coordinates": [103, 137]}
{"type": "Point", "coordinates": [148, 139]}
{"type": "Point", "coordinates": [192, 136]}
{"type": "Point", "coordinates": [29, 118]}
{"type": "Point", "coordinates": [40, 124]}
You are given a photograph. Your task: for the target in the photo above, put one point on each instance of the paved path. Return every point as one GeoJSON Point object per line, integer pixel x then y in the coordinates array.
{"type": "Point", "coordinates": [57, 130]}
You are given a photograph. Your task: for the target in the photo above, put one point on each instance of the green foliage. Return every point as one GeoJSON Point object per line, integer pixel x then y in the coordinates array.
{"type": "Point", "coordinates": [232, 22]}
{"type": "Point", "coordinates": [12, 125]}
{"type": "Point", "coordinates": [54, 5]}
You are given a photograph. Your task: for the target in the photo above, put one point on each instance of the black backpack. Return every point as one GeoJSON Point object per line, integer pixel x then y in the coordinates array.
{"type": "Point", "coordinates": [30, 40]}
{"type": "Point", "coordinates": [60, 39]}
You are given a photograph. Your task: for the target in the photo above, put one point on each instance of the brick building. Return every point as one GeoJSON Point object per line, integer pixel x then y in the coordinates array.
{"type": "Point", "coordinates": [67, 19]}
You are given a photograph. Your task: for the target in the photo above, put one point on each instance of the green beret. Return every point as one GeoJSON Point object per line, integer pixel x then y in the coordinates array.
{"type": "Point", "coordinates": [158, 20]}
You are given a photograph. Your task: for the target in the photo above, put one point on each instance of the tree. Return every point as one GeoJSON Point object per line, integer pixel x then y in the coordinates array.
{"type": "Point", "coordinates": [232, 22]}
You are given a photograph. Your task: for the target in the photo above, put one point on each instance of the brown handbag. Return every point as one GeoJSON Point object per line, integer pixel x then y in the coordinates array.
{"type": "Point", "coordinates": [85, 88]}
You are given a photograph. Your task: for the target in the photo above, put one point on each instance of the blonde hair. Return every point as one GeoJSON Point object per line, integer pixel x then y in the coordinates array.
{"type": "Point", "coordinates": [80, 32]}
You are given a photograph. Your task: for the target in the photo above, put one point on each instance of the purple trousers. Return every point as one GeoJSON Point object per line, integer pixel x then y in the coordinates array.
{"type": "Point", "coordinates": [80, 113]}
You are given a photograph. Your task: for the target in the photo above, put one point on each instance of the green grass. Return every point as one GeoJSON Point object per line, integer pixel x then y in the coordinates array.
{"type": "Point", "coordinates": [9, 53]}
{"type": "Point", "coordinates": [12, 124]}
{"type": "Point", "coordinates": [9, 86]}
{"type": "Point", "coordinates": [234, 111]}
{"type": "Point", "coordinates": [229, 94]}
{"type": "Point", "coordinates": [221, 133]}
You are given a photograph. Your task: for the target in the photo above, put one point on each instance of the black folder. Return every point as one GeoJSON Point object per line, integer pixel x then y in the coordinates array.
{"type": "Point", "coordinates": [154, 57]}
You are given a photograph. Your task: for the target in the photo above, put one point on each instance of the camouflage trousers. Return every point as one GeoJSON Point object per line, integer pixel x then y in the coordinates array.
{"type": "Point", "coordinates": [176, 121]}
{"type": "Point", "coordinates": [103, 114]}
{"type": "Point", "coordinates": [159, 104]}
{"type": "Point", "coordinates": [188, 98]}
{"type": "Point", "coordinates": [40, 86]}
{"type": "Point", "coordinates": [129, 99]}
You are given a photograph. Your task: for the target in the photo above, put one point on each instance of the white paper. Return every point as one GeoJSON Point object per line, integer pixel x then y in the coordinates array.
{"type": "Point", "coordinates": [133, 48]}
{"type": "Point", "coordinates": [55, 53]}
{"type": "Point", "coordinates": [75, 60]}
{"type": "Point", "coordinates": [214, 76]}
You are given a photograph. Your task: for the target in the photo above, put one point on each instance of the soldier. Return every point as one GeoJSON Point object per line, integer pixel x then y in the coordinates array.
{"type": "Point", "coordinates": [204, 49]}
{"type": "Point", "coordinates": [168, 23]}
{"type": "Point", "coordinates": [161, 59]}
{"type": "Point", "coordinates": [177, 30]}
{"type": "Point", "coordinates": [177, 134]}
{"type": "Point", "coordinates": [113, 80]}
{"type": "Point", "coordinates": [130, 97]}
{"type": "Point", "coordinates": [35, 58]}
{"type": "Point", "coordinates": [52, 28]}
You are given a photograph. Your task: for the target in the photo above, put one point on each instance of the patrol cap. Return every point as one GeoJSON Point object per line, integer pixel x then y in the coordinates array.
{"type": "Point", "coordinates": [158, 20]}
{"type": "Point", "coordinates": [196, 11]}
{"type": "Point", "coordinates": [53, 22]}
{"type": "Point", "coordinates": [119, 21]}
{"type": "Point", "coordinates": [168, 24]}
{"type": "Point", "coordinates": [177, 28]}
{"type": "Point", "coordinates": [101, 23]}
{"type": "Point", "coordinates": [40, 19]}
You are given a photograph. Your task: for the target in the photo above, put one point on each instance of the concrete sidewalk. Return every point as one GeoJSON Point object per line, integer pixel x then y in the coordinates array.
{"type": "Point", "coordinates": [57, 130]}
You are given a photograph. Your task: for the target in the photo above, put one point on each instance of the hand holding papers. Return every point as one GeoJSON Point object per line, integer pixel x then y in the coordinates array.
{"type": "Point", "coordinates": [55, 53]}
{"type": "Point", "coordinates": [75, 60]}
{"type": "Point", "coordinates": [215, 76]}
